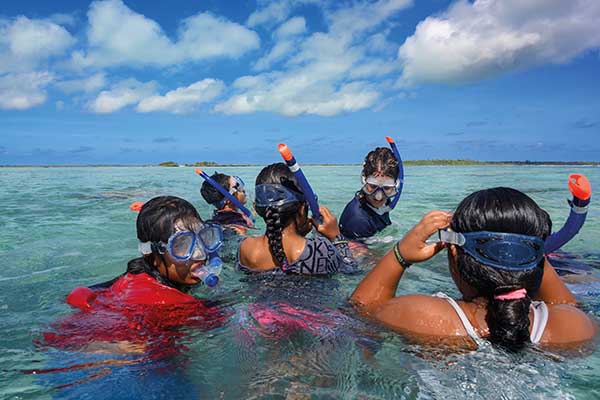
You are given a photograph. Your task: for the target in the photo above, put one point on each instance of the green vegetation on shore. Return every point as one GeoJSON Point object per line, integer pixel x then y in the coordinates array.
{"type": "Point", "coordinates": [405, 162]}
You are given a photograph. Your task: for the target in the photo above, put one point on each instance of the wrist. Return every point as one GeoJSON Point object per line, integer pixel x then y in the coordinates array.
{"type": "Point", "coordinates": [332, 236]}
{"type": "Point", "coordinates": [403, 263]}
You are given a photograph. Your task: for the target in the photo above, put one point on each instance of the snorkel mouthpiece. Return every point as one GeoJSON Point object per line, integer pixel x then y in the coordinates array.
{"type": "Point", "coordinates": [209, 273]}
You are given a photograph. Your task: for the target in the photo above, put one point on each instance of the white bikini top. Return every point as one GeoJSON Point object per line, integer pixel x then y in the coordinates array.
{"type": "Point", "coordinates": [540, 319]}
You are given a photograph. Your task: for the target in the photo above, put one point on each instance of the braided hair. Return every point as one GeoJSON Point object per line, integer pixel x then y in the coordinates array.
{"type": "Point", "coordinates": [278, 217]}
{"type": "Point", "coordinates": [502, 210]}
{"type": "Point", "coordinates": [156, 223]}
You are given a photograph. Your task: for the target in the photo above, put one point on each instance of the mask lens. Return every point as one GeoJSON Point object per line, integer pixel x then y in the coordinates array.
{"type": "Point", "coordinates": [239, 185]}
{"type": "Point", "coordinates": [370, 188]}
{"type": "Point", "coordinates": [389, 190]}
{"type": "Point", "coordinates": [181, 244]}
{"type": "Point", "coordinates": [211, 237]}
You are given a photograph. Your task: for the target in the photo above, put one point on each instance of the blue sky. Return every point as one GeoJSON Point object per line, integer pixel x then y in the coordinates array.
{"type": "Point", "coordinates": [139, 82]}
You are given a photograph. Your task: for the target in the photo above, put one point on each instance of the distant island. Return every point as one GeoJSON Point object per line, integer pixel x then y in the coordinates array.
{"type": "Point", "coordinates": [196, 164]}
{"type": "Point", "coordinates": [405, 162]}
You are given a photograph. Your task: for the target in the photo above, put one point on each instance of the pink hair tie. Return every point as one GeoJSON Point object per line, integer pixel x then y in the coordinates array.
{"type": "Point", "coordinates": [514, 295]}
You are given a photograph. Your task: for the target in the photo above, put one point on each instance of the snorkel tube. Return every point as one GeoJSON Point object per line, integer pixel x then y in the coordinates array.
{"type": "Point", "coordinates": [582, 192]}
{"type": "Point", "coordinates": [226, 193]}
{"type": "Point", "coordinates": [293, 165]}
{"type": "Point", "coordinates": [400, 172]}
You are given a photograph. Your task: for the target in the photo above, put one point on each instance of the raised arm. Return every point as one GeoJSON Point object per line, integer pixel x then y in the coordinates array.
{"type": "Point", "coordinates": [553, 289]}
{"type": "Point", "coordinates": [380, 284]}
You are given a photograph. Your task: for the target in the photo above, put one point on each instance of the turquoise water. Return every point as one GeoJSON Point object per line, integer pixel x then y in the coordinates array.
{"type": "Point", "coordinates": [63, 227]}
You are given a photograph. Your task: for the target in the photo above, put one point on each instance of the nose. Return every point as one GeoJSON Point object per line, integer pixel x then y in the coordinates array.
{"type": "Point", "coordinates": [378, 195]}
{"type": "Point", "coordinates": [198, 253]}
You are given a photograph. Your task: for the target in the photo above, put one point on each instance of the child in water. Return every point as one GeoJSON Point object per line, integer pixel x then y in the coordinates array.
{"type": "Point", "coordinates": [226, 214]}
{"type": "Point", "coordinates": [369, 211]}
{"type": "Point", "coordinates": [284, 246]}
{"type": "Point", "coordinates": [150, 299]}
{"type": "Point", "coordinates": [511, 294]}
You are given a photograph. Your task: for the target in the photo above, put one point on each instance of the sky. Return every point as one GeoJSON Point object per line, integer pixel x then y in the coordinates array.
{"type": "Point", "coordinates": [140, 82]}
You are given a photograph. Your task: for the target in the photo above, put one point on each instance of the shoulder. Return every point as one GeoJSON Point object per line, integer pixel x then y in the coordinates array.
{"type": "Point", "coordinates": [354, 206]}
{"type": "Point", "coordinates": [421, 315]}
{"type": "Point", "coordinates": [254, 253]}
{"type": "Point", "coordinates": [568, 324]}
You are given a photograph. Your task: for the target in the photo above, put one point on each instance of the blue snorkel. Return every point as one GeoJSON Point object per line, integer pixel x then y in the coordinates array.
{"type": "Point", "coordinates": [582, 191]}
{"type": "Point", "coordinates": [227, 195]}
{"type": "Point", "coordinates": [400, 172]}
{"type": "Point", "coordinates": [293, 165]}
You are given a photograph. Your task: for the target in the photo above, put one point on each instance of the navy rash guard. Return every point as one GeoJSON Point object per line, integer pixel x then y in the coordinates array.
{"type": "Point", "coordinates": [358, 220]}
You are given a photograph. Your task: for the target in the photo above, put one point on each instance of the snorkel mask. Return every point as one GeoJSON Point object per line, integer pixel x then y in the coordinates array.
{"type": "Point", "coordinates": [239, 185]}
{"type": "Point", "coordinates": [507, 251]}
{"type": "Point", "coordinates": [379, 188]}
{"type": "Point", "coordinates": [275, 195]}
{"type": "Point", "coordinates": [188, 245]}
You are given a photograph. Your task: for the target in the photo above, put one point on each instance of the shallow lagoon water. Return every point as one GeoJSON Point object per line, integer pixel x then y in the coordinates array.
{"type": "Point", "coordinates": [64, 227]}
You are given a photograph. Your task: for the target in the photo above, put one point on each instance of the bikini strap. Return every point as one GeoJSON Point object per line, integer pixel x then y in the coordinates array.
{"type": "Point", "coordinates": [463, 317]}
{"type": "Point", "coordinates": [540, 319]}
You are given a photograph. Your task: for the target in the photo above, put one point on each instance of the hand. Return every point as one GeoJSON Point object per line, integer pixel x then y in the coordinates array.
{"type": "Point", "coordinates": [413, 247]}
{"type": "Point", "coordinates": [329, 227]}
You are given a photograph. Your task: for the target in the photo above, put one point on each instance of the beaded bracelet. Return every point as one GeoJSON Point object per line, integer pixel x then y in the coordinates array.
{"type": "Point", "coordinates": [339, 239]}
{"type": "Point", "coordinates": [405, 264]}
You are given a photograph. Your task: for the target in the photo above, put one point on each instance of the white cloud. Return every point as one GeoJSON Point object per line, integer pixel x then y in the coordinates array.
{"type": "Point", "coordinates": [25, 43]}
{"type": "Point", "coordinates": [88, 85]}
{"type": "Point", "coordinates": [273, 13]}
{"type": "Point", "coordinates": [20, 91]}
{"type": "Point", "coordinates": [119, 36]}
{"type": "Point", "coordinates": [62, 19]}
{"type": "Point", "coordinates": [473, 41]}
{"type": "Point", "coordinates": [183, 99]}
{"type": "Point", "coordinates": [287, 42]}
{"type": "Point", "coordinates": [122, 94]}
{"type": "Point", "coordinates": [292, 27]}
{"type": "Point", "coordinates": [321, 69]}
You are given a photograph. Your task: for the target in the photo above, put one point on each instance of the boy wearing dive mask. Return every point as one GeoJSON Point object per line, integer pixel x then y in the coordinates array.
{"type": "Point", "coordinates": [226, 213]}
{"type": "Point", "coordinates": [368, 212]}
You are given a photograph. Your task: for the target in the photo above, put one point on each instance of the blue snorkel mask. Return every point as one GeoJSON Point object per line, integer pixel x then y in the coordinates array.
{"type": "Point", "coordinates": [189, 245]}
{"type": "Point", "coordinates": [239, 185]}
{"type": "Point", "coordinates": [507, 251]}
{"type": "Point", "coordinates": [275, 195]}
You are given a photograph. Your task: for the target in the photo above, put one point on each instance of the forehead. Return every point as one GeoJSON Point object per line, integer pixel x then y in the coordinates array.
{"type": "Point", "coordinates": [380, 179]}
{"type": "Point", "coordinates": [187, 225]}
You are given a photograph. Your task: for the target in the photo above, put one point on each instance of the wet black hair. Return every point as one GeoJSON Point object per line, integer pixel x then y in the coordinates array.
{"type": "Point", "coordinates": [277, 218]}
{"type": "Point", "coordinates": [156, 223]}
{"type": "Point", "coordinates": [381, 160]}
{"type": "Point", "coordinates": [212, 195]}
{"type": "Point", "coordinates": [506, 210]}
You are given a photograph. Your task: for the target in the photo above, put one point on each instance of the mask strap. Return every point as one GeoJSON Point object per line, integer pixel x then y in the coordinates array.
{"type": "Point", "coordinates": [145, 248]}
{"type": "Point", "coordinates": [448, 236]}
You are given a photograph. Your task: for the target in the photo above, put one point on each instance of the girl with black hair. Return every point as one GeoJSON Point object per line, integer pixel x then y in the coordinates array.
{"type": "Point", "coordinates": [226, 213]}
{"type": "Point", "coordinates": [368, 212]}
{"type": "Point", "coordinates": [512, 295]}
{"type": "Point", "coordinates": [284, 246]}
{"type": "Point", "coordinates": [176, 247]}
